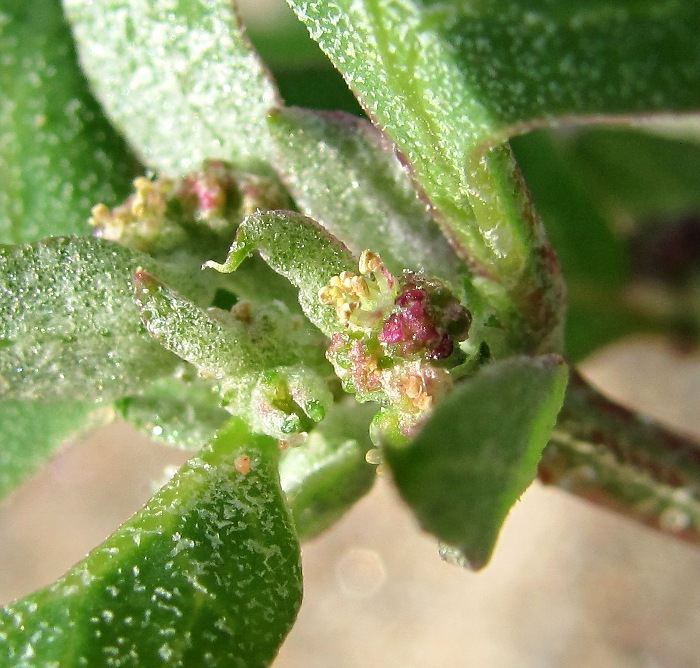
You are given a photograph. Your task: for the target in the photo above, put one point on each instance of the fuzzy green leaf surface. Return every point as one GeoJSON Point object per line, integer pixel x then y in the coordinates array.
{"type": "Point", "coordinates": [69, 326]}
{"type": "Point", "coordinates": [180, 80]}
{"type": "Point", "coordinates": [221, 343]}
{"type": "Point", "coordinates": [299, 249]}
{"type": "Point", "coordinates": [32, 431]}
{"type": "Point", "coordinates": [58, 154]}
{"type": "Point", "coordinates": [343, 174]}
{"type": "Point", "coordinates": [404, 62]}
{"type": "Point", "coordinates": [194, 335]}
{"type": "Point", "coordinates": [482, 71]}
{"type": "Point", "coordinates": [325, 476]}
{"type": "Point", "coordinates": [262, 359]}
{"type": "Point", "coordinates": [208, 573]}
{"type": "Point", "coordinates": [479, 451]}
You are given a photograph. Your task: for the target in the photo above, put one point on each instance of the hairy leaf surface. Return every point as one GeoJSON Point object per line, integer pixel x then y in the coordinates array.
{"type": "Point", "coordinates": [208, 573]}
{"type": "Point", "coordinates": [299, 249]}
{"type": "Point", "coordinates": [344, 175]}
{"type": "Point", "coordinates": [69, 327]}
{"type": "Point", "coordinates": [179, 79]}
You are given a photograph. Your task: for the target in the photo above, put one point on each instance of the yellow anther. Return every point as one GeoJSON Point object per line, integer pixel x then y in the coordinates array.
{"type": "Point", "coordinates": [346, 279]}
{"type": "Point", "coordinates": [327, 295]}
{"type": "Point", "coordinates": [415, 389]}
{"type": "Point", "coordinates": [344, 311]}
{"type": "Point", "coordinates": [360, 287]}
{"type": "Point", "coordinates": [369, 262]}
{"type": "Point", "coordinates": [413, 386]}
{"type": "Point", "coordinates": [99, 213]}
{"type": "Point", "coordinates": [424, 402]}
{"type": "Point", "coordinates": [150, 198]}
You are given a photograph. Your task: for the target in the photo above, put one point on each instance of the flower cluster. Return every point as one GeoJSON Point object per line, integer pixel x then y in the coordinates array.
{"type": "Point", "coordinates": [159, 214]}
{"type": "Point", "coordinates": [399, 337]}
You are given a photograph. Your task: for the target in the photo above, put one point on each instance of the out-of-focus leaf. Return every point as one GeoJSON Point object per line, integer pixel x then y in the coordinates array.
{"type": "Point", "coordinates": [180, 80]}
{"type": "Point", "coordinates": [580, 232]}
{"type": "Point", "coordinates": [299, 249]}
{"type": "Point", "coordinates": [185, 414]}
{"type": "Point", "coordinates": [69, 327]}
{"type": "Point", "coordinates": [344, 175]}
{"type": "Point", "coordinates": [31, 431]}
{"type": "Point", "coordinates": [325, 476]}
{"type": "Point", "coordinates": [208, 573]}
{"type": "Point", "coordinates": [635, 175]}
{"type": "Point", "coordinates": [303, 73]}
{"type": "Point", "coordinates": [58, 154]}
{"type": "Point", "coordinates": [595, 186]}
{"type": "Point", "coordinates": [479, 451]}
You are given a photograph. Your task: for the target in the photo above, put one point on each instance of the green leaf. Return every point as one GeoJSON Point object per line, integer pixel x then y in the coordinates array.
{"type": "Point", "coordinates": [479, 451]}
{"type": "Point", "coordinates": [344, 175]}
{"type": "Point", "coordinates": [324, 477]}
{"type": "Point", "coordinates": [184, 414]}
{"type": "Point", "coordinates": [299, 249]}
{"type": "Point", "coordinates": [179, 79]}
{"type": "Point", "coordinates": [58, 154]}
{"type": "Point", "coordinates": [482, 71]}
{"type": "Point", "coordinates": [218, 350]}
{"type": "Point", "coordinates": [404, 62]}
{"type": "Point", "coordinates": [69, 327]}
{"type": "Point", "coordinates": [261, 358]}
{"type": "Point", "coordinates": [208, 573]}
{"type": "Point", "coordinates": [32, 431]}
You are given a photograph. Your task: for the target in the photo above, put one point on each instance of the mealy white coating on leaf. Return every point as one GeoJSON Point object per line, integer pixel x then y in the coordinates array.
{"type": "Point", "coordinates": [69, 325]}
{"type": "Point", "coordinates": [297, 248]}
{"type": "Point", "coordinates": [214, 571]}
{"type": "Point", "coordinates": [344, 175]}
{"type": "Point", "coordinates": [179, 79]}
{"type": "Point", "coordinates": [58, 155]}
{"type": "Point", "coordinates": [254, 359]}
{"type": "Point", "coordinates": [448, 79]}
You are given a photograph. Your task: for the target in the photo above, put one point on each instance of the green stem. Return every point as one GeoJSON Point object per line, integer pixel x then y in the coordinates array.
{"type": "Point", "coordinates": [624, 461]}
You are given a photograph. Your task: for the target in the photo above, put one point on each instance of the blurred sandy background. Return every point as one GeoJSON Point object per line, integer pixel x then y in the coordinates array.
{"type": "Point", "coordinates": [570, 585]}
